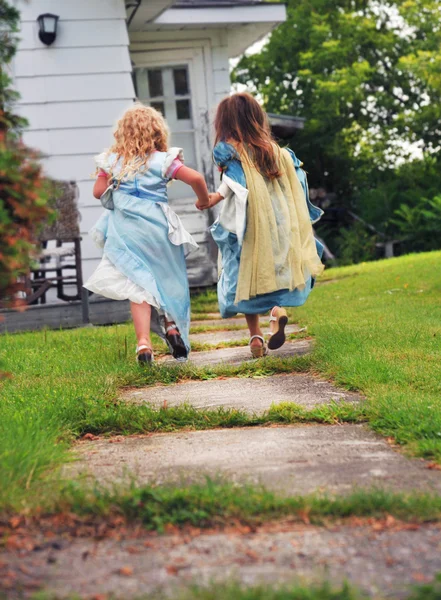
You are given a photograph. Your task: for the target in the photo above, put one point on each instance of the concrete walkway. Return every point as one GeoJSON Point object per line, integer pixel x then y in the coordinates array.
{"type": "Point", "coordinates": [289, 460]}
{"type": "Point", "coordinates": [381, 558]}
{"type": "Point", "coordinates": [216, 337]}
{"type": "Point", "coordinates": [252, 395]}
{"type": "Point", "coordinates": [237, 356]}
{"type": "Point", "coordinates": [295, 459]}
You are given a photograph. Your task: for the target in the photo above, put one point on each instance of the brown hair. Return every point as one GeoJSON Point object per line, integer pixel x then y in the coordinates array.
{"type": "Point", "coordinates": [241, 119]}
{"type": "Point", "coordinates": [140, 131]}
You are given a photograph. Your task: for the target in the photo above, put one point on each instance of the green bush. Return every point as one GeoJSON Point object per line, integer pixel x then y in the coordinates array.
{"type": "Point", "coordinates": [420, 225]}
{"type": "Point", "coordinates": [23, 191]}
{"type": "Point", "coordinates": [356, 245]}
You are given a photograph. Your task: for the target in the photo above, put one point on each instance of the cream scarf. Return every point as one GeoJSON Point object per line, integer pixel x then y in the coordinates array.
{"type": "Point", "coordinates": [279, 250]}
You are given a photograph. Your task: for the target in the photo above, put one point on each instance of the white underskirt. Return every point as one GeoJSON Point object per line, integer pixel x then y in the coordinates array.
{"type": "Point", "coordinates": [107, 281]}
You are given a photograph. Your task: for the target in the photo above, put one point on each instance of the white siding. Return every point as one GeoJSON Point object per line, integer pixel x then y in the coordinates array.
{"type": "Point", "coordinates": [73, 92]}
{"type": "Point", "coordinates": [221, 68]}
{"type": "Point", "coordinates": [73, 10]}
{"type": "Point", "coordinates": [72, 88]}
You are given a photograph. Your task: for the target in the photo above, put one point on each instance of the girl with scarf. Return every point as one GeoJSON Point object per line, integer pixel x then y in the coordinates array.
{"type": "Point", "coordinates": [268, 255]}
{"type": "Point", "coordinates": [143, 239]}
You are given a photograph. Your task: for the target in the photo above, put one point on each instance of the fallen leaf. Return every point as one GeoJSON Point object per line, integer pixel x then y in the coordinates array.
{"type": "Point", "coordinates": [390, 521]}
{"type": "Point", "coordinates": [126, 571]}
{"type": "Point", "coordinates": [172, 569]}
{"type": "Point", "coordinates": [304, 516]}
{"type": "Point", "coordinates": [24, 570]}
{"type": "Point", "coordinates": [434, 465]}
{"type": "Point", "coordinates": [90, 436]}
{"type": "Point", "coordinates": [251, 554]}
{"type": "Point", "coordinates": [420, 577]}
{"type": "Point", "coordinates": [14, 522]}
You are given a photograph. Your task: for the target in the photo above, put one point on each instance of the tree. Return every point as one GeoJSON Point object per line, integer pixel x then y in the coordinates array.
{"type": "Point", "coordinates": [23, 191]}
{"type": "Point", "coordinates": [365, 74]}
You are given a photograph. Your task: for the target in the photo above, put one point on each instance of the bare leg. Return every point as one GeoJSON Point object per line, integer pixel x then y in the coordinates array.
{"type": "Point", "coordinates": [141, 314]}
{"type": "Point", "coordinates": [254, 327]}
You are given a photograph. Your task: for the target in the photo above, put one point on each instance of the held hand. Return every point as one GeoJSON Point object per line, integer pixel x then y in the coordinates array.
{"type": "Point", "coordinates": [201, 205]}
{"type": "Point", "coordinates": [215, 198]}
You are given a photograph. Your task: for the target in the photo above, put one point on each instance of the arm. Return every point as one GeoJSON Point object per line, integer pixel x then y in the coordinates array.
{"type": "Point", "coordinates": [101, 184]}
{"type": "Point", "coordinates": [196, 181]}
{"type": "Point", "coordinates": [222, 192]}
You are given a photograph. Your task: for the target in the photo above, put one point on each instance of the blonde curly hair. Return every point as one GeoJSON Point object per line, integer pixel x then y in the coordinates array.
{"type": "Point", "coordinates": [140, 131]}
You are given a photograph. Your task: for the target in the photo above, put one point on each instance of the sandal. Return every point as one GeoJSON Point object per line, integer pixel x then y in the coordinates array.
{"type": "Point", "coordinates": [176, 344]}
{"type": "Point", "coordinates": [258, 351]}
{"type": "Point", "coordinates": [144, 355]}
{"type": "Point", "coordinates": [279, 317]}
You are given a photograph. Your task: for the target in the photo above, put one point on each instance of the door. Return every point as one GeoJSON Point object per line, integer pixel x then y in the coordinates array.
{"type": "Point", "coordinates": [174, 82]}
{"type": "Point", "coordinates": [168, 90]}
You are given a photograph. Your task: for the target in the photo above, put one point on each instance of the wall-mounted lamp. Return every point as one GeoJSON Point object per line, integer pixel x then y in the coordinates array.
{"type": "Point", "coordinates": [47, 24]}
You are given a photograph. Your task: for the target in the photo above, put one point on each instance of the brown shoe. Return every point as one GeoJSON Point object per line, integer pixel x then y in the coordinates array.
{"type": "Point", "coordinates": [278, 322]}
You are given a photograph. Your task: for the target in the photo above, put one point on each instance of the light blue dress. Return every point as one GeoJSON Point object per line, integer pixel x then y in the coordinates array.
{"type": "Point", "coordinates": [144, 245]}
{"type": "Point", "coordinates": [228, 232]}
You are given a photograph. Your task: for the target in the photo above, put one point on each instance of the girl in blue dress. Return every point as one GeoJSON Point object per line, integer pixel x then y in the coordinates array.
{"type": "Point", "coordinates": [269, 257]}
{"type": "Point", "coordinates": [144, 242]}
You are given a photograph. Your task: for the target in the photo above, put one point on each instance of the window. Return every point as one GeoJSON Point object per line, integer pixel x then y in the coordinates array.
{"type": "Point", "coordinates": [167, 90]}
{"type": "Point", "coordinates": [155, 83]}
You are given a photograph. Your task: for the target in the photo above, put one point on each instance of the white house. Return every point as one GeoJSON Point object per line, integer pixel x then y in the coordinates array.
{"type": "Point", "coordinates": [172, 55]}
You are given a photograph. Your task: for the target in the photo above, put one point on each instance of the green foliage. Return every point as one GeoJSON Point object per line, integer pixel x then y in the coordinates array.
{"type": "Point", "coordinates": [356, 244]}
{"type": "Point", "coordinates": [406, 184]}
{"type": "Point", "coordinates": [216, 502]}
{"type": "Point", "coordinates": [420, 224]}
{"type": "Point", "coordinates": [294, 591]}
{"type": "Point", "coordinates": [314, 591]}
{"type": "Point", "coordinates": [23, 206]}
{"type": "Point", "coordinates": [366, 77]}
{"type": "Point", "coordinates": [23, 192]}
{"type": "Point", "coordinates": [431, 591]}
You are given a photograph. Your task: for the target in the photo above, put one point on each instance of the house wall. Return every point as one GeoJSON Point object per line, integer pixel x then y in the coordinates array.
{"type": "Point", "coordinates": [72, 92]}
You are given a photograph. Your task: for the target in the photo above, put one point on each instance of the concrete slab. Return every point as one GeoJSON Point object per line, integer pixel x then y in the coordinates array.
{"type": "Point", "coordinates": [381, 561]}
{"type": "Point", "coordinates": [236, 356]}
{"type": "Point", "coordinates": [290, 460]}
{"type": "Point", "coordinates": [254, 396]}
{"type": "Point", "coordinates": [216, 337]}
{"type": "Point", "coordinates": [219, 322]}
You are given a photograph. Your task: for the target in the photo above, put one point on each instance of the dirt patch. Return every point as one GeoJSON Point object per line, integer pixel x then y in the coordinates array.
{"type": "Point", "coordinates": [380, 557]}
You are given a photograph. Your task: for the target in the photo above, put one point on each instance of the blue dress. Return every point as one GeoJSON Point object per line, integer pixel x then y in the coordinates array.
{"type": "Point", "coordinates": [228, 233]}
{"type": "Point", "coordinates": [144, 245]}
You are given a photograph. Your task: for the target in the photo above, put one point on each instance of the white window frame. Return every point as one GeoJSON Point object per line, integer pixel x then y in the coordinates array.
{"type": "Point", "coordinates": [194, 60]}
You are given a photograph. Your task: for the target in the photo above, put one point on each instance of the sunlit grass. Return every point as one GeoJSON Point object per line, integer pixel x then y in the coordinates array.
{"type": "Point", "coordinates": [377, 329]}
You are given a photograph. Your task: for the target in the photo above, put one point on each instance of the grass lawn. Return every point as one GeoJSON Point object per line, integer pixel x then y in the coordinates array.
{"type": "Point", "coordinates": [377, 328]}
{"type": "Point", "coordinates": [233, 591]}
